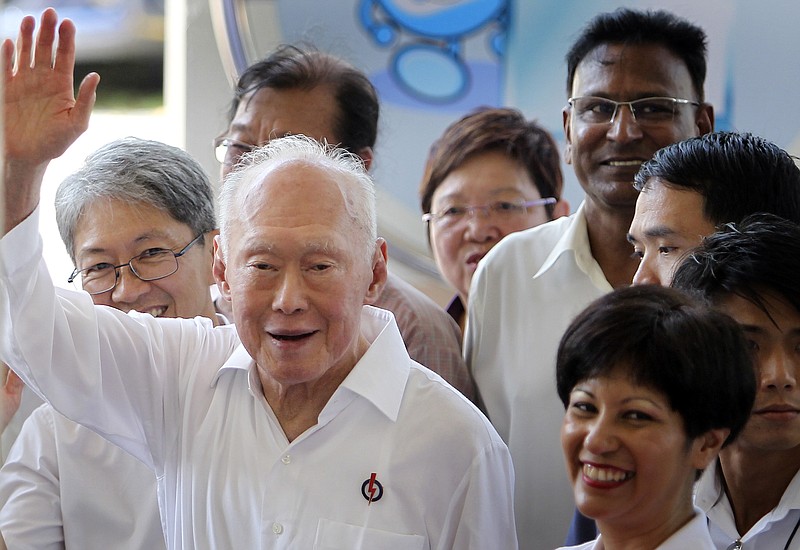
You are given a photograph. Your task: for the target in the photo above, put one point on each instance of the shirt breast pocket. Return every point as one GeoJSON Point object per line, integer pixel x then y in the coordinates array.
{"type": "Point", "coordinates": [332, 535]}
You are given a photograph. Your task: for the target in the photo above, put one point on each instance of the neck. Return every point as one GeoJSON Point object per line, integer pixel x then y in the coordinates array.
{"type": "Point", "coordinates": [297, 406]}
{"type": "Point", "coordinates": [608, 230]}
{"type": "Point", "coordinates": [627, 537]}
{"type": "Point", "coordinates": [755, 481]}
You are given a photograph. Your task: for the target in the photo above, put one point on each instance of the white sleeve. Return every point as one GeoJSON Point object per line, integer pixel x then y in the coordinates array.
{"type": "Point", "coordinates": [120, 375]}
{"type": "Point", "coordinates": [30, 502]}
{"type": "Point", "coordinates": [486, 503]}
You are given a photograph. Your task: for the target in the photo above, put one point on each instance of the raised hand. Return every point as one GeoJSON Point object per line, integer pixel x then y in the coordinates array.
{"type": "Point", "coordinates": [43, 117]}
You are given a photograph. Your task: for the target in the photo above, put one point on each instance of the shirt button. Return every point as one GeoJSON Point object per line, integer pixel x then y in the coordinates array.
{"type": "Point", "coordinates": [277, 528]}
{"type": "Point", "coordinates": [287, 459]}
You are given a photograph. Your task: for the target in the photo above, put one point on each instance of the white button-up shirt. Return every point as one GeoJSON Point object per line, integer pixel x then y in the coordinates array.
{"type": "Point", "coordinates": [64, 486]}
{"type": "Point", "coordinates": [773, 531]}
{"type": "Point", "coordinates": [397, 459]}
{"type": "Point", "coordinates": [524, 294]}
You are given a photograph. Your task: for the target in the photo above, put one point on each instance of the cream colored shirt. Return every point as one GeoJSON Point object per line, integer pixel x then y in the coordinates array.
{"type": "Point", "coordinates": [524, 294]}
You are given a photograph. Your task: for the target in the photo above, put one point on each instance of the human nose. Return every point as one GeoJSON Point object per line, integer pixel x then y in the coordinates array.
{"type": "Point", "coordinates": [481, 228]}
{"type": "Point", "coordinates": [129, 287]}
{"type": "Point", "coordinates": [290, 296]}
{"type": "Point", "coordinates": [623, 125]}
{"type": "Point", "coordinates": [779, 371]}
{"type": "Point", "coordinates": [601, 437]}
{"type": "Point", "coordinates": [646, 273]}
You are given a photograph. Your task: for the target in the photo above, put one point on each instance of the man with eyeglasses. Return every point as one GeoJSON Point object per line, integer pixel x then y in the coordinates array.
{"type": "Point", "coordinates": [635, 84]}
{"type": "Point", "coordinates": [296, 91]}
{"type": "Point", "coordinates": [305, 425]}
{"type": "Point", "coordinates": [138, 221]}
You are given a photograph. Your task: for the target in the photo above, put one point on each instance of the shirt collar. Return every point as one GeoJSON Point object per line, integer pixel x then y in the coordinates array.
{"type": "Point", "coordinates": [379, 376]}
{"type": "Point", "coordinates": [576, 240]}
{"type": "Point", "coordinates": [709, 492]}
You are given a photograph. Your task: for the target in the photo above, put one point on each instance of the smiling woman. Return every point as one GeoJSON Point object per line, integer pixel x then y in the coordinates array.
{"type": "Point", "coordinates": [654, 385]}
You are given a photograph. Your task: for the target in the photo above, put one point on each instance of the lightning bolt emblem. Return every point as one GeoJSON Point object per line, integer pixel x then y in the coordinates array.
{"type": "Point", "coordinates": [371, 489]}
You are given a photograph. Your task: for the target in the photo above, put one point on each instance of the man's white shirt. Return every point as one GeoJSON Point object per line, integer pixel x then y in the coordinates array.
{"type": "Point", "coordinates": [398, 459]}
{"type": "Point", "coordinates": [523, 296]}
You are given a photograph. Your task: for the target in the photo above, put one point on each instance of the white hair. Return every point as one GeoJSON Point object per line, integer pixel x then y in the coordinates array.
{"type": "Point", "coordinates": [355, 183]}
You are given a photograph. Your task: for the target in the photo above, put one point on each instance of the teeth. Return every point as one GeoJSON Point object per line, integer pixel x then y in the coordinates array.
{"type": "Point", "coordinates": [605, 474]}
{"type": "Point", "coordinates": [156, 311]}
{"type": "Point", "coordinates": [625, 163]}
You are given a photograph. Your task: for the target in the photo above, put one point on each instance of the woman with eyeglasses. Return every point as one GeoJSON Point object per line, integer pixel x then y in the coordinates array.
{"type": "Point", "coordinates": [654, 384]}
{"type": "Point", "coordinates": [490, 174]}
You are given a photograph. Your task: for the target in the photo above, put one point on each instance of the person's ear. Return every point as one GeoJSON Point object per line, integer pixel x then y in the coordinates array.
{"type": "Point", "coordinates": [220, 271]}
{"type": "Point", "coordinates": [566, 115]}
{"type": "Point", "coordinates": [705, 119]}
{"type": "Point", "coordinates": [379, 272]}
{"type": "Point", "coordinates": [209, 238]}
{"type": "Point", "coordinates": [366, 155]}
{"type": "Point", "coordinates": [705, 447]}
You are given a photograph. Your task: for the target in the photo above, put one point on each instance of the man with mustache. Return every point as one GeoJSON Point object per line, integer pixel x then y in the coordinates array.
{"type": "Point", "coordinates": [635, 83]}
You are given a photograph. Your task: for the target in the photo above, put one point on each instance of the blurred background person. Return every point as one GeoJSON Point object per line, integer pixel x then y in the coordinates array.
{"type": "Point", "coordinates": [490, 174]}
{"type": "Point", "coordinates": [653, 384]}
{"type": "Point", "coordinates": [305, 91]}
{"type": "Point", "coordinates": [748, 270]}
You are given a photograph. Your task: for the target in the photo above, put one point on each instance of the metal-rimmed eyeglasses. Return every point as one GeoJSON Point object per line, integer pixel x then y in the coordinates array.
{"type": "Point", "coordinates": [150, 265]}
{"type": "Point", "coordinates": [228, 151]}
{"type": "Point", "coordinates": [453, 215]}
{"type": "Point", "coordinates": [646, 111]}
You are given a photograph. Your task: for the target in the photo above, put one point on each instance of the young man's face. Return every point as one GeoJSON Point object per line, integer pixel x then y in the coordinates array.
{"type": "Point", "coordinates": [669, 222]}
{"type": "Point", "coordinates": [774, 338]}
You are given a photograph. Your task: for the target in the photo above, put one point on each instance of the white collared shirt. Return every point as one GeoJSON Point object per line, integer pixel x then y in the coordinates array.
{"type": "Point", "coordinates": [771, 532]}
{"type": "Point", "coordinates": [64, 486]}
{"type": "Point", "coordinates": [692, 536]}
{"type": "Point", "coordinates": [184, 398]}
{"type": "Point", "coordinates": [523, 296]}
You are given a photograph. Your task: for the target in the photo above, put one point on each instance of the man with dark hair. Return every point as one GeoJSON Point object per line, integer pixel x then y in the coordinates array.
{"type": "Point", "coordinates": [296, 91]}
{"type": "Point", "coordinates": [690, 187]}
{"type": "Point", "coordinates": [634, 85]}
{"type": "Point", "coordinates": [749, 271]}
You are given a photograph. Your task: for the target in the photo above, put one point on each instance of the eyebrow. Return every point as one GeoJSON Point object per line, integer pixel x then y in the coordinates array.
{"type": "Point", "coordinates": [758, 330]}
{"type": "Point", "coordinates": [138, 240]}
{"type": "Point", "coordinates": [657, 231]}
{"type": "Point", "coordinates": [493, 193]}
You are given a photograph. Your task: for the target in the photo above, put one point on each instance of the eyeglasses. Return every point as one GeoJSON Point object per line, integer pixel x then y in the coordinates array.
{"type": "Point", "coordinates": [651, 111]}
{"type": "Point", "coordinates": [228, 150]}
{"type": "Point", "coordinates": [453, 215]}
{"type": "Point", "coordinates": [150, 265]}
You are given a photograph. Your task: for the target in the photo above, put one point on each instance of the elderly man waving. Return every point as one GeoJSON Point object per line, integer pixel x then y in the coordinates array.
{"type": "Point", "coordinates": [304, 426]}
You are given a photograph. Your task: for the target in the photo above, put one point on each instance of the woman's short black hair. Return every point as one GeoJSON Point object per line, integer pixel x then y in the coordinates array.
{"type": "Point", "coordinates": [669, 341]}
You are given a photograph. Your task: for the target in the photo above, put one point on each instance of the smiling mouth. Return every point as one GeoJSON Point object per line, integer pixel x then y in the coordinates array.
{"type": "Point", "coordinates": [598, 474]}
{"type": "Point", "coordinates": [291, 337]}
{"type": "Point", "coordinates": [156, 311]}
{"type": "Point", "coordinates": [473, 259]}
{"type": "Point", "coordinates": [624, 163]}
